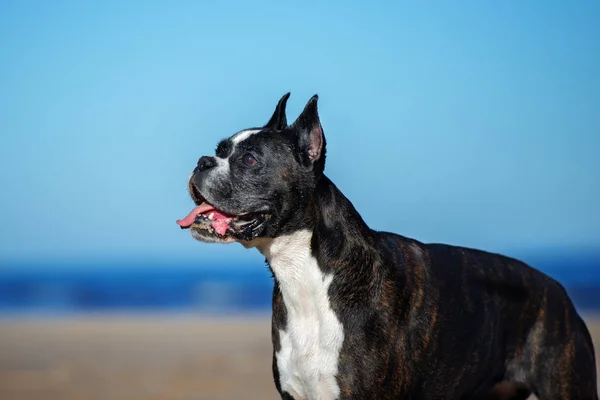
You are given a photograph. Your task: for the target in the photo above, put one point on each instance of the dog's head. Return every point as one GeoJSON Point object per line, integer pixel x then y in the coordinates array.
{"type": "Point", "coordinates": [260, 182]}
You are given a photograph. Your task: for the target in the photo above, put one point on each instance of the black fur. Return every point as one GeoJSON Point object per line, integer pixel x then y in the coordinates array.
{"type": "Point", "coordinates": [421, 321]}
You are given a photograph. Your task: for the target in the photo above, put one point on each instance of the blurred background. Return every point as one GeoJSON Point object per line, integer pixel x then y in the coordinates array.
{"type": "Point", "coordinates": [469, 123]}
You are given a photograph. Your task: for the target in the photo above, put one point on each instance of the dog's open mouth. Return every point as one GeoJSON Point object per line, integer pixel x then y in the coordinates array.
{"type": "Point", "coordinates": [206, 216]}
{"type": "Point", "coordinates": [208, 219]}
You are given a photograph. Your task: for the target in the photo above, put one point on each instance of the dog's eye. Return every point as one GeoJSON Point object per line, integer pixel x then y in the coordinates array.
{"type": "Point", "coordinates": [249, 159]}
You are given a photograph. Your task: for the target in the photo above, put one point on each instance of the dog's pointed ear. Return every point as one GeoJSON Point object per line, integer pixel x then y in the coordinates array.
{"type": "Point", "coordinates": [279, 121]}
{"type": "Point", "coordinates": [310, 135]}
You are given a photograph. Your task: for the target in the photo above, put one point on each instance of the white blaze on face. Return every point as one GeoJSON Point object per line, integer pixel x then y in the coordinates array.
{"type": "Point", "coordinates": [311, 343]}
{"type": "Point", "coordinates": [243, 135]}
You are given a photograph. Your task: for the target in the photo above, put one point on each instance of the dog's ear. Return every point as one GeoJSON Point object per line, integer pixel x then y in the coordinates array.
{"type": "Point", "coordinates": [310, 135]}
{"type": "Point", "coordinates": [278, 121]}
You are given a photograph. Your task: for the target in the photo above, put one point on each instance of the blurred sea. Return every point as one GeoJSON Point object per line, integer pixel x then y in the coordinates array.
{"type": "Point", "coordinates": [38, 289]}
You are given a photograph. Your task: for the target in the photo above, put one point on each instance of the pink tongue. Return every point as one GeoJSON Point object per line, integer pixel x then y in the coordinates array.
{"type": "Point", "coordinates": [220, 226]}
{"type": "Point", "coordinates": [189, 219]}
{"type": "Point", "coordinates": [220, 221]}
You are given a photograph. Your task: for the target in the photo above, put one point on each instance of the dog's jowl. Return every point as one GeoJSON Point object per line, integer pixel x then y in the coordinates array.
{"type": "Point", "coordinates": [363, 314]}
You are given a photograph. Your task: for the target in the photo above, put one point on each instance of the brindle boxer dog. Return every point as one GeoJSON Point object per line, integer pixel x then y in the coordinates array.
{"type": "Point", "coordinates": [363, 314]}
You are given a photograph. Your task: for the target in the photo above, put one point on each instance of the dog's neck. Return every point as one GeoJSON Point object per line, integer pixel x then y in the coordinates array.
{"type": "Point", "coordinates": [337, 250]}
{"type": "Point", "coordinates": [290, 258]}
{"type": "Point", "coordinates": [336, 215]}
{"type": "Point", "coordinates": [336, 229]}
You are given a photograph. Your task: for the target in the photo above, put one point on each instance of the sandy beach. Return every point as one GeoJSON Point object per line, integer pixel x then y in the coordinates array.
{"type": "Point", "coordinates": [141, 358]}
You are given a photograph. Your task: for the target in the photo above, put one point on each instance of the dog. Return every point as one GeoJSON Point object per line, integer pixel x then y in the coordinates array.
{"type": "Point", "coordinates": [363, 314]}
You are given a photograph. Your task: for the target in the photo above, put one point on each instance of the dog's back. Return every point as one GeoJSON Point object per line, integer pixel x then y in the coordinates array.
{"type": "Point", "coordinates": [505, 320]}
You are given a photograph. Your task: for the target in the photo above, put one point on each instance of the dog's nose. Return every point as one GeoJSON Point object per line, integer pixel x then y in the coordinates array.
{"type": "Point", "coordinates": [206, 162]}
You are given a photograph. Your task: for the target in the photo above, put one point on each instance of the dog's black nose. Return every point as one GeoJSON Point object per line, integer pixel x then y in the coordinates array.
{"type": "Point", "coordinates": [206, 162]}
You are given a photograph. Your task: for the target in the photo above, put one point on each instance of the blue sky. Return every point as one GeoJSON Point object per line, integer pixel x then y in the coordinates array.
{"type": "Point", "coordinates": [475, 123]}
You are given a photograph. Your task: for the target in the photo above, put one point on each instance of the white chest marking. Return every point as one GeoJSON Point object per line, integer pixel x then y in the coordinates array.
{"type": "Point", "coordinates": [311, 343]}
